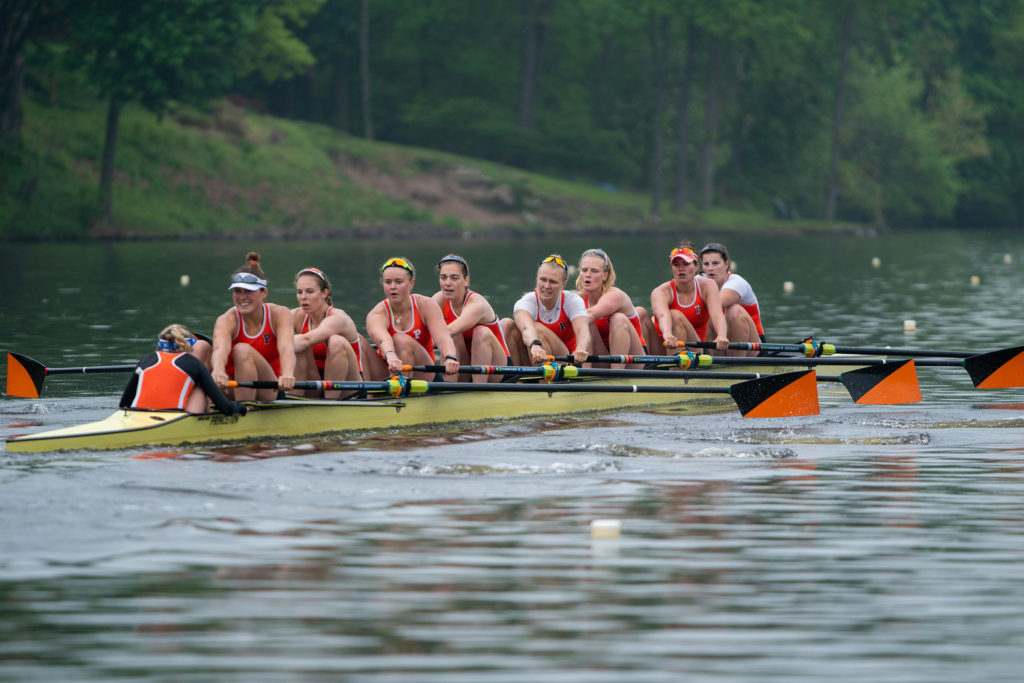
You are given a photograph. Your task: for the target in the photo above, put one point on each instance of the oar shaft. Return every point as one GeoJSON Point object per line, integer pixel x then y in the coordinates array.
{"type": "Point", "coordinates": [829, 349]}
{"type": "Point", "coordinates": [89, 369]}
{"type": "Point", "coordinates": [420, 387]}
{"type": "Point", "coordinates": [573, 372]}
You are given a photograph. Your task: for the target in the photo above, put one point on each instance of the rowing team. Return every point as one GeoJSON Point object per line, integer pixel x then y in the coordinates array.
{"type": "Point", "coordinates": [259, 341]}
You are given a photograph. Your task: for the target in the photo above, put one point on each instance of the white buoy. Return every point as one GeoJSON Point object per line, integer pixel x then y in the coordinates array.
{"type": "Point", "coordinates": [1007, 258]}
{"type": "Point", "coordinates": [184, 280]}
{"type": "Point", "coordinates": [909, 325]}
{"type": "Point", "coordinates": [975, 280]}
{"type": "Point", "coordinates": [605, 528]}
{"type": "Point", "coordinates": [876, 262]}
{"type": "Point", "coordinates": [787, 287]}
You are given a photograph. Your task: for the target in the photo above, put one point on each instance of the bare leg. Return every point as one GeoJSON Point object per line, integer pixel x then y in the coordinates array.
{"type": "Point", "coordinates": [251, 366]}
{"type": "Point", "coordinates": [514, 340]}
{"type": "Point", "coordinates": [486, 351]}
{"type": "Point", "coordinates": [341, 365]}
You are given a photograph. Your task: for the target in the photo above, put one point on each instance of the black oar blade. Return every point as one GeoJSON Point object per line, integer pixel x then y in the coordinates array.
{"type": "Point", "coordinates": [1001, 369]}
{"type": "Point", "coordinates": [883, 385]}
{"type": "Point", "coordinates": [24, 376]}
{"type": "Point", "coordinates": [786, 395]}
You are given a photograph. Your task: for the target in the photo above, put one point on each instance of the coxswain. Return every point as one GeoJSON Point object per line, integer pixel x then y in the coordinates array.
{"type": "Point", "coordinates": [171, 378]}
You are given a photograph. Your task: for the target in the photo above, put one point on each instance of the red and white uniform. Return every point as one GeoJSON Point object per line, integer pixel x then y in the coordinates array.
{"type": "Point", "coordinates": [696, 311]}
{"type": "Point", "coordinates": [747, 299]}
{"type": "Point", "coordinates": [603, 325]}
{"type": "Point", "coordinates": [417, 330]}
{"type": "Point", "coordinates": [320, 350]}
{"type": "Point", "coordinates": [494, 326]}
{"type": "Point", "coordinates": [558, 319]}
{"type": "Point", "coordinates": [264, 341]}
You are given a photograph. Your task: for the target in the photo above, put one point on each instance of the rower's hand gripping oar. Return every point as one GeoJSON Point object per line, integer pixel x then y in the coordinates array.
{"type": "Point", "coordinates": [785, 395]}
{"type": "Point", "coordinates": [891, 384]}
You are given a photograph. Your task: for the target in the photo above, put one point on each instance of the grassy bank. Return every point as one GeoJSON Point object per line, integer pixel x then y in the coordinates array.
{"type": "Point", "coordinates": [228, 172]}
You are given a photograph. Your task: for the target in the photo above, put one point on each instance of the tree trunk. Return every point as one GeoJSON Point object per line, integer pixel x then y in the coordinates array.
{"type": "Point", "coordinates": [107, 167]}
{"type": "Point", "coordinates": [312, 101]}
{"type": "Point", "coordinates": [341, 92]}
{"type": "Point", "coordinates": [832, 191]}
{"type": "Point", "coordinates": [16, 20]}
{"type": "Point", "coordinates": [681, 195]}
{"type": "Point", "coordinates": [712, 117]}
{"type": "Point", "coordinates": [659, 38]}
{"type": "Point", "coordinates": [364, 70]}
{"type": "Point", "coordinates": [533, 40]}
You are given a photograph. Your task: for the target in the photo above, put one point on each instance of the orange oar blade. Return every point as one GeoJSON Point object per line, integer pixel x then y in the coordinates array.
{"type": "Point", "coordinates": [24, 376]}
{"type": "Point", "coordinates": [786, 395]}
{"type": "Point", "coordinates": [997, 369]}
{"type": "Point", "coordinates": [883, 385]}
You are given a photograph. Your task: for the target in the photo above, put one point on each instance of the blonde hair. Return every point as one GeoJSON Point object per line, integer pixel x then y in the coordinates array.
{"type": "Point", "coordinates": [608, 268]}
{"type": "Point", "coordinates": [178, 335]}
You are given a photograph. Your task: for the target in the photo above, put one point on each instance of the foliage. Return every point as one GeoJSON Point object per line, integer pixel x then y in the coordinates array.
{"type": "Point", "coordinates": [931, 125]}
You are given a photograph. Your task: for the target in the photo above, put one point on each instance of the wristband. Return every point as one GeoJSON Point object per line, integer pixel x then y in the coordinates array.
{"type": "Point", "coordinates": [536, 342]}
{"type": "Point", "coordinates": [451, 357]}
{"type": "Point", "coordinates": [389, 351]}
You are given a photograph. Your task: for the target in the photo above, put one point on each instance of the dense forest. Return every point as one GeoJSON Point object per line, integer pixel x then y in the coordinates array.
{"type": "Point", "coordinates": [898, 113]}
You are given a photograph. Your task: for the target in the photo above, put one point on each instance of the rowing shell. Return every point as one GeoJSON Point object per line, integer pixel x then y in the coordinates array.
{"type": "Point", "coordinates": [292, 418]}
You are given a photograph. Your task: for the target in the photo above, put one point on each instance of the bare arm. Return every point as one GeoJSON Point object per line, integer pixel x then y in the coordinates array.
{"type": "Point", "coordinates": [476, 312]}
{"type": "Point", "coordinates": [610, 302]}
{"type": "Point", "coordinates": [336, 322]}
{"type": "Point", "coordinates": [661, 313]}
{"type": "Point", "coordinates": [581, 327]}
{"type": "Point", "coordinates": [728, 297]}
{"type": "Point", "coordinates": [224, 330]}
{"type": "Point", "coordinates": [709, 290]}
{"type": "Point", "coordinates": [281, 319]}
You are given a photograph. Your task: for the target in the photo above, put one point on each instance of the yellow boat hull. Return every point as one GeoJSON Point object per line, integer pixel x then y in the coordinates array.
{"type": "Point", "coordinates": [292, 418]}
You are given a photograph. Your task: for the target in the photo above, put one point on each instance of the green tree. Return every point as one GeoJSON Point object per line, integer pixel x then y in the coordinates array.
{"type": "Point", "coordinates": [186, 51]}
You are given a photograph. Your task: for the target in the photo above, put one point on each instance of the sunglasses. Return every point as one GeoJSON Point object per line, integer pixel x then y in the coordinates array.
{"type": "Point", "coordinates": [313, 271]}
{"type": "Point", "coordinates": [598, 252]}
{"type": "Point", "coordinates": [557, 260]}
{"type": "Point", "coordinates": [683, 253]}
{"type": "Point", "coordinates": [397, 263]}
{"type": "Point", "coordinates": [247, 279]}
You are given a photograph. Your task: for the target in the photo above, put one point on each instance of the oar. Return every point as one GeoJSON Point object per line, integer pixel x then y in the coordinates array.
{"type": "Point", "coordinates": [1003, 369]}
{"type": "Point", "coordinates": [25, 375]}
{"type": "Point", "coordinates": [784, 395]}
{"type": "Point", "coordinates": [813, 349]}
{"type": "Point", "coordinates": [890, 384]}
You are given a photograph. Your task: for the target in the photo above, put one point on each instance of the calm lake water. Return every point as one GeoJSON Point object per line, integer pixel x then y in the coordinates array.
{"type": "Point", "coordinates": [866, 543]}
